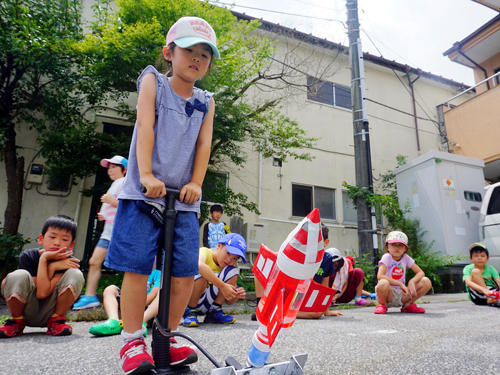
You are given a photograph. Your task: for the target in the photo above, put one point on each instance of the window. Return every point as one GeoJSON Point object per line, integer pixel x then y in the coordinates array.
{"type": "Point", "coordinates": [494, 204]}
{"type": "Point", "coordinates": [472, 196]}
{"type": "Point", "coordinates": [305, 198]}
{"type": "Point", "coordinates": [497, 78]}
{"type": "Point", "coordinates": [350, 213]}
{"type": "Point", "coordinates": [328, 93]}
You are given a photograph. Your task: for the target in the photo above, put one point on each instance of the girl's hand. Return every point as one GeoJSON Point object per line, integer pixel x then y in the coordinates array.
{"type": "Point", "coordinates": [405, 289]}
{"type": "Point", "coordinates": [190, 193]}
{"type": "Point", "coordinates": [154, 187]}
{"type": "Point", "coordinates": [106, 198]}
{"type": "Point", "coordinates": [100, 217]}
{"type": "Point", "coordinates": [228, 291]}
{"type": "Point", "coordinates": [412, 288]}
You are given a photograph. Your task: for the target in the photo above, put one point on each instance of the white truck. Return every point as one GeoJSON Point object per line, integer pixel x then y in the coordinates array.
{"type": "Point", "coordinates": [489, 223]}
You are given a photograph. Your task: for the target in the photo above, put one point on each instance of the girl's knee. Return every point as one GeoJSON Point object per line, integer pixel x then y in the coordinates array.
{"type": "Point", "coordinates": [383, 284]}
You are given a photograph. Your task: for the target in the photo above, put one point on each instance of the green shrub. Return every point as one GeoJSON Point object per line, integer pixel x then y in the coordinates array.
{"type": "Point", "coordinates": [10, 248]}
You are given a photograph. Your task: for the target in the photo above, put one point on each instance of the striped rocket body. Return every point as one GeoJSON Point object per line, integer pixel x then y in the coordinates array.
{"type": "Point", "coordinates": [298, 260]}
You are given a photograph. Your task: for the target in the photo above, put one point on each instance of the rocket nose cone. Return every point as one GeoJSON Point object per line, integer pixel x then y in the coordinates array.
{"type": "Point", "coordinates": [314, 216]}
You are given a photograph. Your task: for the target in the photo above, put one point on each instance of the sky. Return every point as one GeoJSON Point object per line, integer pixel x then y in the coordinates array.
{"type": "Point", "coordinates": [413, 32]}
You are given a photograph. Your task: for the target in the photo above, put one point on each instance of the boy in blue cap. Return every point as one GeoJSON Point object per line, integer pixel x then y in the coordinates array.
{"type": "Point", "coordinates": [216, 281]}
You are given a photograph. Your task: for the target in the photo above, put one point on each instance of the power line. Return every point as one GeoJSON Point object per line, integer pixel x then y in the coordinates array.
{"type": "Point", "coordinates": [285, 13]}
{"type": "Point", "coordinates": [399, 78]}
{"type": "Point", "coordinates": [401, 111]}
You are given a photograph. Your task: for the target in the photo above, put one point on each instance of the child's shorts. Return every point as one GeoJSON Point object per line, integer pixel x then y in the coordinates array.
{"type": "Point", "coordinates": [208, 297]}
{"type": "Point", "coordinates": [104, 243]}
{"type": "Point", "coordinates": [38, 311]}
{"type": "Point", "coordinates": [478, 297]}
{"type": "Point", "coordinates": [135, 239]}
{"type": "Point", "coordinates": [397, 294]}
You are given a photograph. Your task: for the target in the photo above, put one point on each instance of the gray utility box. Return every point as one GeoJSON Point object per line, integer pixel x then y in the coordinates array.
{"type": "Point", "coordinates": [445, 192]}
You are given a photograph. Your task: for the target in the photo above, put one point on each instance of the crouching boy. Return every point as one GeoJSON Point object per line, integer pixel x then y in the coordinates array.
{"type": "Point", "coordinates": [480, 278]}
{"type": "Point", "coordinates": [216, 282]}
{"type": "Point", "coordinates": [46, 283]}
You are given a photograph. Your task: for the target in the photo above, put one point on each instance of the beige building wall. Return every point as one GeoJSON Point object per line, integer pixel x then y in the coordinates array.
{"type": "Point", "coordinates": [392, 134]}
{"type": "Point", "coordinates": [468, 124]}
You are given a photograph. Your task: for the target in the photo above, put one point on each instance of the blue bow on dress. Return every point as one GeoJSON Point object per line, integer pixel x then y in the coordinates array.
{"type": "Point", "coordinates": [196, 105]}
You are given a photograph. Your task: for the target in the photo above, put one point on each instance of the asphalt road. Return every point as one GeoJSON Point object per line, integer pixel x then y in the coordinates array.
{"type": "Point", "coordinates": [452, 337]}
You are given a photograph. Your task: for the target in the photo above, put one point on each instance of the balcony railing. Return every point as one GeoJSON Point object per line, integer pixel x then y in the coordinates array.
{"type": "Point", "coordinates": [447, 103]}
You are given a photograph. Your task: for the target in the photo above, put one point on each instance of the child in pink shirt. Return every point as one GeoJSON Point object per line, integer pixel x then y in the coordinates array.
{"type": "Point", "coordinates": [391, 289]}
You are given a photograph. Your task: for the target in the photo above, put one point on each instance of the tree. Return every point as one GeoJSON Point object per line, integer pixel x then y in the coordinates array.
{"type": "Point", "coordinates": [36, 83]}
{"type": "Point", "coordinates": [124, 41]}
{"type": "Point", "coordinates": [43, 88]}
{"type": "Point", "coordinates": [53, 76]}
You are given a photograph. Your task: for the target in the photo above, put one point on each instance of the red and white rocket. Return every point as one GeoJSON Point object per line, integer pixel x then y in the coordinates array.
{"type": "Point", "coordinates": [286, 278]}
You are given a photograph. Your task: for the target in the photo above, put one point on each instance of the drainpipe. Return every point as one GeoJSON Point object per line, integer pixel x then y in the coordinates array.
{"type": "Point", "coordinates": [410, 83]}
{"type": "Point", "coordinates": [476, 64]}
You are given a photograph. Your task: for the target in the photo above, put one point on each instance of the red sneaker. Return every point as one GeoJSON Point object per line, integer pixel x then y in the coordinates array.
{"type": "Point", "coordinates": [380, 309]}
{"type": "Point", "coordinates": [135, 359]}
{"type": "Point", "coordinates": [414, 309]}
{"type": "Point", "coordinates": [12, 328]}
{"type": "Point", "coordinates": [56, 326]}
{"type": "Point", "coordinates": [181, 355]}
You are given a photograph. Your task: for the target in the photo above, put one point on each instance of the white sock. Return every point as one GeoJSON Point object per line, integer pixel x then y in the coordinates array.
{"type": "Point", "coordinates": [132, 336]}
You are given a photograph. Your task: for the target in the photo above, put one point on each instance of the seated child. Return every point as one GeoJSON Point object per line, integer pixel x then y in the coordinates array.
{"type": "Point", "coordinates": [347, 280]}
{"type": "Point", "coordinates": [216, 282]}
{"type": "Point", "coordinates": [391, 288]}
{"type": "Point", "coordinates": [46, 283]}
{"type": "Point", "coordinates": [480, 278]}
{"type": "Point", "coordinates": [111, 300]}
{"type": "Point", "coordinates": [215, 229]}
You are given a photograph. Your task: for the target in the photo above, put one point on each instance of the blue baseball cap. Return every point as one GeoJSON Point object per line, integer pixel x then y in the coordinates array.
{"type": "Point", "coordinates": [235, 244]}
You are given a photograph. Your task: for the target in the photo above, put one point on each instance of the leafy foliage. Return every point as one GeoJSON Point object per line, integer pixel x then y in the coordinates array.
{"type": "Point", "coordinates": [125, 41]}
{"type": "Point", "coordinates": [10, 248]}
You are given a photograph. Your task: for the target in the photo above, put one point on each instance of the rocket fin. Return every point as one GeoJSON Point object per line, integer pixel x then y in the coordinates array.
{"type": "Point", "coordinates": [318, 298]}
{"type": "Point", "coordinates": [264, 264]}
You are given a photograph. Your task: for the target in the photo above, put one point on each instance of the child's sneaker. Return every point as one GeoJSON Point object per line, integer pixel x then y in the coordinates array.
{"type": "Point", "coordinates": [380, 309]}
{"type": "Point", "coordinates": [12, 328]}
{"type": "Point", "coordinates": [413, 309]}
{"type": "Point", "coordinates": [191, 317]}
{"type": "Point", "coordinates": [218, 316]}
{"type": "Point", "coordinates": [109, 327]}
{"type": "Point", "coordinates": [56, 326]}
{"type": "Point", "coordinates": [362, 302]}
{"type": "Point", "coordinates": [181, 355]}
{"type": "Point", "coordinates": [135, 359]}
{"type": "Point", "coordinates": [86, 302]}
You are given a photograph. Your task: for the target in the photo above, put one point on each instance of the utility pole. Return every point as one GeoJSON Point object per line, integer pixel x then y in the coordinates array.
{"type": "Point", "coordinates": [367, 224]}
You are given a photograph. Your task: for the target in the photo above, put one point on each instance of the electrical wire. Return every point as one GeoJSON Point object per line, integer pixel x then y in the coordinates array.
{"type": "Point", "coordinates": [399, 78]}
{"type": "Point", "coordinates": [285, 13]}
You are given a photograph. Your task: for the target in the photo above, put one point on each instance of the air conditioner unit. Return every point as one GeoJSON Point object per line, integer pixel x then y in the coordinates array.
{"type": "Point", "coordinates": [255, 234]}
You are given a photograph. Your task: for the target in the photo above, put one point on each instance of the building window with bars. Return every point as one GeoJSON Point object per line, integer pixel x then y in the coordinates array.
{"type": "Point", "coordinates": [328, 93]}
{"type": "Point", "coordinates": [306, 197]}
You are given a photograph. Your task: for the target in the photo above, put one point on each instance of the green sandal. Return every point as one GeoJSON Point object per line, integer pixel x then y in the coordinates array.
{"type": "Point", "coordinates": [109, 327]}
